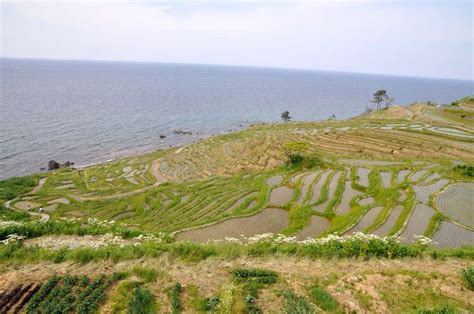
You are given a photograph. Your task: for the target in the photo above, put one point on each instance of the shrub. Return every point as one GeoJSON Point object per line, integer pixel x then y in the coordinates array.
{"type": "Point", "coordinates": [467, 275]}
{"type": "Point", "coordinates": [210, 304]}
{"type": "Point", "coordinates": [465, 170]}
{"type": "Point", "coordinates": [256, 275]}
{"type": "Point", "coordinates": [295, 304]}
{"type": "Point", "coordinates": [42, 293]}
{"type": "Point", "coordinates": [254, 279]}
{"type": "Point", "coordinates": [147, 274]}
{"type": "Point", "coordinates": [175, 300]}
{"type": "Point", "coordinates": [323, 299]}
{"type": "Point", "coordinates": [439, 310]}
{"type": "Point", "coordinates": [141, 301]}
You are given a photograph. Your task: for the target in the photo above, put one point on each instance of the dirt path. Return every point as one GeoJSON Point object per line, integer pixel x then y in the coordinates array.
{"type": "Point", "coordinates": [37, 188]}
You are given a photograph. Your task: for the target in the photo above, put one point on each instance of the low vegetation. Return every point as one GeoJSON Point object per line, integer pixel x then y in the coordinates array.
{"type": "Point", "coordinates": [141, 301]}
{"type": "Point", "coordinates": [323, 299]}
{"type": "Point", "coordinates": [14, 187]}
{"type": "Point", "coordinates": [467, 275]}
{"type": "Point", "coordinates": [400, 173]}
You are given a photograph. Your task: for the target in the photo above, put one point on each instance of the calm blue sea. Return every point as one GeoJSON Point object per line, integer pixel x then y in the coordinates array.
{"type": "Point", "coordinates": [88, 112]}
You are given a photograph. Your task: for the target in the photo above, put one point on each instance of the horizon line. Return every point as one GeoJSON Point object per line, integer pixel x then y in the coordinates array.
{"type": "Point", "coordinates": [241, 65]}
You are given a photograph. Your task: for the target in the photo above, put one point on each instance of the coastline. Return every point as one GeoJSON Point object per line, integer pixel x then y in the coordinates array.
{"type": "Point", "coordinates": [185, 140]}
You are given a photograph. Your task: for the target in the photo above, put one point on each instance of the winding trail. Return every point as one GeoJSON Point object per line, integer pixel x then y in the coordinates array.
{"type": "Point", "coordinates": [35, 190]}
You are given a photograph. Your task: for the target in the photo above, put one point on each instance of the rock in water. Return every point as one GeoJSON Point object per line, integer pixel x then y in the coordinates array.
{"type": "Point", "coordinates": [52, 165]}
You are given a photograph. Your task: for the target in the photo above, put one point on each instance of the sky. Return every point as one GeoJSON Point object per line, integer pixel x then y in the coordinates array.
{"type": "Point", "coordinates": [412, 38]}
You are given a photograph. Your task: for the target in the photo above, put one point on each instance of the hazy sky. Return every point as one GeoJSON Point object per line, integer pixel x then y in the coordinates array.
{"type": "Point", "coordinates": [418, 38]}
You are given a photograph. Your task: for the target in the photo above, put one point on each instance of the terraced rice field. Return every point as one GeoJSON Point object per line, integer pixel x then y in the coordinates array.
{"type": "Point", "coordinates": [456, 202]}
{"type": "Point", "coordinates": [269, 220]}
{"type": "Point", "coordinates": [452, 235]}
{"type": "Point", "coordinates": [376, 173]}
{"type": "Point", "coordinates": [418, 222]}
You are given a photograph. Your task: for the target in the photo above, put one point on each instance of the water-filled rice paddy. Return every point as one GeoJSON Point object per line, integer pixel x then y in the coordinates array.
{"type": "Point", "coordinates": [418, 222]}
{"type": "Point", "coordinates": [456, 202]}
{"type": "Point", "coordinates": [452, 235]}
{"type": "Point", "coordinates": [269, 220]}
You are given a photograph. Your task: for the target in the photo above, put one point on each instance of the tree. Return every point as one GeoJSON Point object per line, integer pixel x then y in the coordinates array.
{"type": "Point", "coordinates": [293, 152]}
{"type": "Point", "coordinates": [379, 97]}
{"type": "Point", "coordinates": [285, 116]}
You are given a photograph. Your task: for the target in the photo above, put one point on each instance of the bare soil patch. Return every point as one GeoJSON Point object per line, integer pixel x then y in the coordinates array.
{"type": "Point", "coordinates": [37, 188]}
{"type": "Point", "coordinates": [51, 208]}
{"type": "Point", "coordinates": [62, 200]}
{"type": "Point", "coordinates": [269, 220]}
{"type": "Point", "coordinates": [65, 186]}
{"type": "Point", "coordinates": [25, 205]}
{"type": "Point", "coordinates": [358, 285]}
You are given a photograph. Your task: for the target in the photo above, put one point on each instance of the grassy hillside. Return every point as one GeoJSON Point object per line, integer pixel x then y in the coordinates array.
{"type": "Point", "coordinates": [394, 187]}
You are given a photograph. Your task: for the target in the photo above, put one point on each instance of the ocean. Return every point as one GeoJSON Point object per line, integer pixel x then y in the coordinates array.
{"type": "Point", "coordinates": [90, 111]}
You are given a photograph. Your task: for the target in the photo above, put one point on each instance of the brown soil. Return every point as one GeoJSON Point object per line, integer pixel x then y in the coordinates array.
{"type": "Point", "coordinates": [362, 286]}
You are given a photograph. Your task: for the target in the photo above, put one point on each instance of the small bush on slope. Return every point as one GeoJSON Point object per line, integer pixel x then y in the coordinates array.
{"type": "Point", "coordinates": [175, 300]}
{"type": "Point", "coordinates": [295, 304]}
{"type": "Point", "coordinates": [467, 275]}
{"type": "Point", "coordinates": [323, 299]}
{"type": "Point", "coordinates": [142, 301]}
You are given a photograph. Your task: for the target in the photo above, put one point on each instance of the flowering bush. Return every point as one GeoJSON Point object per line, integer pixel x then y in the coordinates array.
{"type": "Point", "coordinates": [357, 244]}
{"type": "Point", "coordinates": [12, 238]}
{"type": "Point", "coordinates": [9, 223]}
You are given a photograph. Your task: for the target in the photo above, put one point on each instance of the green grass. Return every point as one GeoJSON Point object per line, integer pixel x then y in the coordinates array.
{"type": "Point", "coordinates": [323, 299]}
{"type": "Point", "coordinates": [9, 214]}
{"type": "Point", "coordinates": [434, 224]}
{"type": "Point", "coordinates": [294, 304]}
{"type": "Point", "coordinates": [17, 254]}
{"type": "Point", "coordinates": [175, 298]}
{"type": "Point", "coordinates": [14, 187]}
{"type": "Point", "coordinates": [147, 274]}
